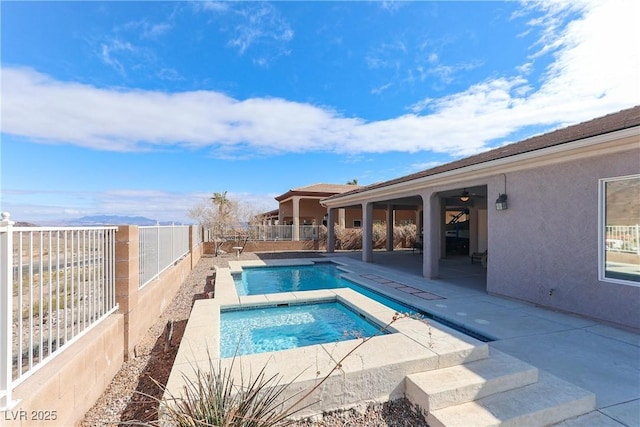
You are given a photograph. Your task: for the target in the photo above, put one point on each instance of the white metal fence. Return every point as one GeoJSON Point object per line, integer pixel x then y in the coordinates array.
{"type": "Point", "coordinates": [160, 247]}
{"type": "Point", "coordinates": [198, 235]}
{"type": "Point", "coordinates": [56, 283]}
{"type": "Point", "coordinates": [623, 238]}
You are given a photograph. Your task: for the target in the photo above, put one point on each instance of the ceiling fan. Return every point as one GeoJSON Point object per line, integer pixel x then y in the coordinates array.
{"type": "Point", "coordinates": [465, 196]}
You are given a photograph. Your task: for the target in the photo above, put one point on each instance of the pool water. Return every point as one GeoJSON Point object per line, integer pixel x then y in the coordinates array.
{"type": "Point", "coordinates": [259, 330]}
{"type": "Point", "coordinates": [327, 275]}
{"type": "Point", "coordinates": [268, 280]}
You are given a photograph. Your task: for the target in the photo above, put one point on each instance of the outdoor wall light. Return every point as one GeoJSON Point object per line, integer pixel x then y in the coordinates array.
{"type": "Point", "coordinates": [501, 202]}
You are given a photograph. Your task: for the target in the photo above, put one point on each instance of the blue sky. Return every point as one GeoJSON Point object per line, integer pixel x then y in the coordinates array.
{"type": "Point", "coordinates": [147, 108]}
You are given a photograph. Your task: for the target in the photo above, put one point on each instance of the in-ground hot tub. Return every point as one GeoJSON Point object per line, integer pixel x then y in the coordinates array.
{"type": "Point", "coordinates": [285, 326]}
{"type": "Point", "coordinates": [374, 371]}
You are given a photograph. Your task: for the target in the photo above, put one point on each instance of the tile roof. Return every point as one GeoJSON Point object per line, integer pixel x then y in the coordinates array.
{"type": "Point", "coordinates": [623, 119]}
{"type": "Point", "coordinates": [319, 190]}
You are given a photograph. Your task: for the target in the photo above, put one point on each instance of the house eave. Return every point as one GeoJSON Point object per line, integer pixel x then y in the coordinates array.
{"type": "Point", "coordinates": [617, 141]}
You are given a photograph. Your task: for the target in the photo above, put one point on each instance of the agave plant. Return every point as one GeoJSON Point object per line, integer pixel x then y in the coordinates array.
{"type": "Point", "coordinates": [214, 398]}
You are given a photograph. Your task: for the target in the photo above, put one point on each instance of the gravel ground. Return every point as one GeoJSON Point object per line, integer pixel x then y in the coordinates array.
{"type": "Point", "coordinates": [132, 397]}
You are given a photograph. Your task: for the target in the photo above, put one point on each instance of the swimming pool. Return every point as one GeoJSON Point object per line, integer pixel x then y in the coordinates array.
{"type": "Point", "coordinates": [273, 328]}
{"type": "Point", "coordinates": [268, 280]}
{"type": "Point", "coordinates": [323, 275]}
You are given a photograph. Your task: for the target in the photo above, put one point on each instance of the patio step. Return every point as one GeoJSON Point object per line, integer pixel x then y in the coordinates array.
{"type": "Point", "coordinates": [471, 381]}
{"type": "Point", "coordinates": [548, 401]}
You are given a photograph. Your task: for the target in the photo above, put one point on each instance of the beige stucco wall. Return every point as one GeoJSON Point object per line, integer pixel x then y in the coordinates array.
{"type": "Point", "coordinates": [548, 239]}
{"type": "Point", "coordinates": [65, 389]}
{"type": "Point", "coordinates": [379, 215]}
{"type": "Point", "coordinates": [154, 298]}
{"type": "Point", "coordinates": [310, 210]}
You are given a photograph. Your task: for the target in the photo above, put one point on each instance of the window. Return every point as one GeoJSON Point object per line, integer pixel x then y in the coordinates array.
{"type": "Point", "coordinates": [619, 254]}
{"type": "Point", "coordinates": [357, 223]}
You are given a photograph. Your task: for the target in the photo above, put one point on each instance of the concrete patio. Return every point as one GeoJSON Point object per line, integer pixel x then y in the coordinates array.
{"type": "Point", "coordinates": [571, 355]}
{"type": "Point", "coordinates": [597, 357]}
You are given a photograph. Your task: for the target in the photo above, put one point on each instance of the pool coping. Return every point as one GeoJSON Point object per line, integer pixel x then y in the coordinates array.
{"type": "Point", "coordinates": [374, 372]}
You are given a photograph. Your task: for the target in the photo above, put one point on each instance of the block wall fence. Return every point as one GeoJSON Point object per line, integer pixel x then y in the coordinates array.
{"type": "Point", "coordinates": [63, 390]}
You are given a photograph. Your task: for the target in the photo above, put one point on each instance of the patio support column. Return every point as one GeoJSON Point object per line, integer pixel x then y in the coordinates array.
{"type": "Point", "coordinates": [443, 230]}
{"type": "Point", "coordinates": [342, 217]}
{"type": "Point", "coordinates": [331, 230]}
{"type": "Point", "coordinates": [389, 228]}
{"type": "Point", "coordinates": [296, 218]}
{"type": "Point", "coordinates": [432, 235]}
{"type": "Point", "coordinates": [367, 232]}
{"type": "Point", "coordinates": [473, 230]}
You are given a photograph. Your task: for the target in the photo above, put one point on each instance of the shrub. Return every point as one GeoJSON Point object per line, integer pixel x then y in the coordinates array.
{"type": "Point", "coordinates": [213, 398]}
{"type": "Point", "coordinates": [350, 239]}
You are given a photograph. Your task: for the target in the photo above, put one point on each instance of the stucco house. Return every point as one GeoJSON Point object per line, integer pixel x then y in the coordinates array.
{"type": "Point", "coordinates": [558, 215]}
{"type": "Point", "coordinates": [301, 206]}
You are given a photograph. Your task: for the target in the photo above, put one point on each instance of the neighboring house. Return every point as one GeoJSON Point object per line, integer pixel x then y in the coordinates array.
{"type": "Point", "coordinates": [301, 206]}
{"type": "Point", "coordinates": [558, 213]}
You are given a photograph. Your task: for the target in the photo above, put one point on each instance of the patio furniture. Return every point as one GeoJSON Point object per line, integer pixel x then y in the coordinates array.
{"type": "Point", "coordinates": [480, 256]}
{"type": "Point", "coordinates": [418, 245]}
{"type": "Point", "coordinates": [240, 249]}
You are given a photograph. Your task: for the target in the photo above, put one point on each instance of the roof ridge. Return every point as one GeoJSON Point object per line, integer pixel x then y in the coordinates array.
{"type": "Point", "coordinates": [622, 119]}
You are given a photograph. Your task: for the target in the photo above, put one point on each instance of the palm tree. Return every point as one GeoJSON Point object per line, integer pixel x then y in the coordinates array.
{"type": "Point", "coordinates": [220, 200]}
{"type": "Point", "coordinates": [221, 221]}
{"type": "Point", "coordinates": [354, 181]}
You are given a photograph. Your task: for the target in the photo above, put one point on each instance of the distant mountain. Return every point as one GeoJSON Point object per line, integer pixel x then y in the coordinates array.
{"type": "Point", "coordinates": [24, 224]}
{"type": "Point", "coordinates": [112, 220]}
{"type": "Point", "coordinates": [97, 220]}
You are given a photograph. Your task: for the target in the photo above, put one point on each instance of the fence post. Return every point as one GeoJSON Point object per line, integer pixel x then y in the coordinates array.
{"type": "Point", "coordinates": [6, 310]}
{"type": "Point", "coordinates": [127, 255]}
{"type": "Point", "coordinates": [157, 249]}
{"type": "Point", "coordinates": [192, 244]}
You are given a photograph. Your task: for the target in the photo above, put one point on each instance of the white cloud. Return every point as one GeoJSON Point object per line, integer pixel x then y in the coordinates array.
{"type": "Point", "coordinates": [595, 71]}
{"type": "Point", "coordinates": [260, 24]}
{"type": "Point", "coordinates": [149, 30]}
{"type": "Point", "coordinates": [378, 90]}
{"type": "Point", "coordinates": [107, 51]}
{"type": "Point", "coordinates": [445, 72]}
{"type": "Point", "coordinates": [387, 55]}
{"type": "Point", "coordinates": [212, 6]}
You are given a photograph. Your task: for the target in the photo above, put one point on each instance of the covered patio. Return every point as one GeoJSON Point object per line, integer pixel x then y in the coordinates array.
{"type": "Point", "coordinates": [457, 270]}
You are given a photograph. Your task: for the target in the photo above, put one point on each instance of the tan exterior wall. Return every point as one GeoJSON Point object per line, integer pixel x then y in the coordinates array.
{"type": "Point", "coordinates": [154, 298]}
{"type": "Point", "coordinates": [285, 212]}
{"type": "Point", "coordinates": [544, 248]}
{"type": "Point", "coordinates": [405, 216]}
{"type": "Point", "coordinates": [311, 211]}
{"type": "Point", "coordinates": [379, 215]}
{"type": "Point", "coordinates": [65, 388]}
{"type": "Point", "coordinates": [352, 214]}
